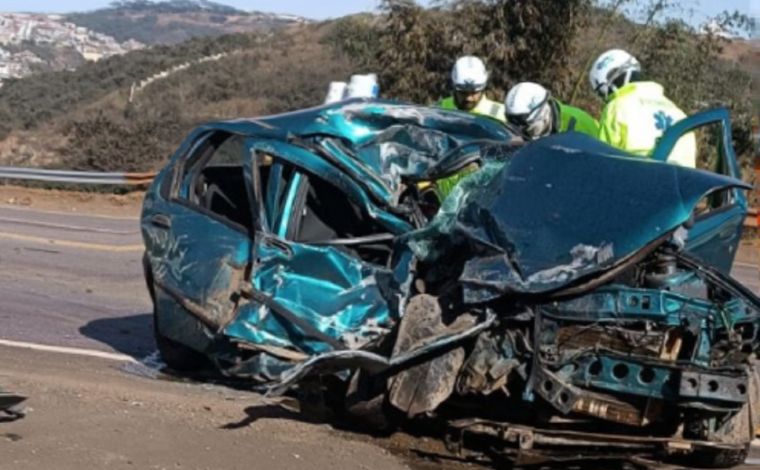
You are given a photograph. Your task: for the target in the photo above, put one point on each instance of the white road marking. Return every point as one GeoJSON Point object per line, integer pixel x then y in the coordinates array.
{"type": "Point", "coordinates": [71, 351]}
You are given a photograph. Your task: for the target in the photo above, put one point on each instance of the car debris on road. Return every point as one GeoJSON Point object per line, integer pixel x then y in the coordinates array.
{"type": "Point", "coordinates": [10, 408]}
{"type": "Point", "coordinates": [564, 299]}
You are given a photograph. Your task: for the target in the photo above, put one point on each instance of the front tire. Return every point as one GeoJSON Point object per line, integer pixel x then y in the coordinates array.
{"type": "Point", "coordinates": [177, 356]}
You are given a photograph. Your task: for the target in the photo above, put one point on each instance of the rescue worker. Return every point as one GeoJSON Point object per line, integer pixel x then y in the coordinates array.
{"type": "Point", "coordinates": [534, 111]}
{"type": "Point", "coordinates": [469, 79]}
{"type": "Point", "coordinates": [636, 112]}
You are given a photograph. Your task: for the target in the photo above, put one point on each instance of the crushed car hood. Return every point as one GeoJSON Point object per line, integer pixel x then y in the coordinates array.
{"type": "Point", "coordinates": [561, 209]}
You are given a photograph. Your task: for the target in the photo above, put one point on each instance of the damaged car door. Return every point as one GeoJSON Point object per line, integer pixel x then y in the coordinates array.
{"type": "Point", "coordinates": [321, 278]}
{"type": "Point", "coordinates": [718, 222]}
{"type": "Point", "coordinates": [198, 246]}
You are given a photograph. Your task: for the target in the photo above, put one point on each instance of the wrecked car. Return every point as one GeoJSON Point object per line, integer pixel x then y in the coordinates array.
{"type": "Point", "coordinates": [564, 299]}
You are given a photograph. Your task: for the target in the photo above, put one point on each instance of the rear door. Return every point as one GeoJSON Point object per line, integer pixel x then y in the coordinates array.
{"type": "Point", "coordinates": [198, 241]}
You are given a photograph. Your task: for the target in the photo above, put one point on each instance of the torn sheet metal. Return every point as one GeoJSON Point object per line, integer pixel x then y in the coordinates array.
{"type": "Point", "coordinates": [561, 208]}
{"type": "Point", "coordinates": [372, 362]}
{"type": "Point", "coordinates": [338, 295]}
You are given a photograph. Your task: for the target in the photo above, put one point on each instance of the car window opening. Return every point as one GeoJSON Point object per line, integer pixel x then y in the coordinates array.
{"type": "Point", "coordinates": [216, 180]}
{"type": "Point", "coordinates": [321, 213]}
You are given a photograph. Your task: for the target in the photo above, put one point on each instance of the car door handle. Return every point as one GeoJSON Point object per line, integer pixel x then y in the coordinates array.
{"type": "Point", "coordinates": [161, 221]}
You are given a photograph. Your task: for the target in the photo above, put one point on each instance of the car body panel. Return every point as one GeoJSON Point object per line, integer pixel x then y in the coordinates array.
{"type": "Point", "coordinates": [334, 293]}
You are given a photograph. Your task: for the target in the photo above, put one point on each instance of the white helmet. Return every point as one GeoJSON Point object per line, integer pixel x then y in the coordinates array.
{"type": "Point", "coordinates": [611, 66]}
{"type": "Point", "coordinates": [528, 107]}
{"type": "Point", "coordinates": [469, 74]}
{"type": "Point", "coordinates": [335, 92]}
{"type": "Point", "coordinates": [363, 86]}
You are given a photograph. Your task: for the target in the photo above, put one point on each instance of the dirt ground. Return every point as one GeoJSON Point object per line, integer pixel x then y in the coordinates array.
{"type": "Point", "coordinates": [89, 413]}
{"type": "Point", "coordinates": [57, 200]}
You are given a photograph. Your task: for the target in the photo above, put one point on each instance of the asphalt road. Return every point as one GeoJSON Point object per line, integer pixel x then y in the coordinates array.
{"type": "Point", "coordinates": [75, 281]}
{"type": "Point", "coordinates": [71, 280]}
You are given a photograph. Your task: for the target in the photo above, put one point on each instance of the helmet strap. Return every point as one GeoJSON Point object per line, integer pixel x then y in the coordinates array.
{"type": "Point", "coordinates": [556, 117]}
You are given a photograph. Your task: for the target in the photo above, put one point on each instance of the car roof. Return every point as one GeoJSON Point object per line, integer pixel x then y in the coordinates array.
{"type": "Point", "coordinates": [357, 120]}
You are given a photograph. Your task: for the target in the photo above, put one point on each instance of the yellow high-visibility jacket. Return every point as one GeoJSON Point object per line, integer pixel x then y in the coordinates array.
{"type": "Point", "coordinates": [575, 119]}
{"type": "Point", "coordinates": [635, 119]}
{"type": "Point", "coordinates": [486, 107]}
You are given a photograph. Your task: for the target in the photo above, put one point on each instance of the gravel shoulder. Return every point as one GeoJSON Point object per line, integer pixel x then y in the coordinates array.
{"type": "Point", "coordinates": [75, 202]}
{"type": "Point", "coordinates": [88, 413]}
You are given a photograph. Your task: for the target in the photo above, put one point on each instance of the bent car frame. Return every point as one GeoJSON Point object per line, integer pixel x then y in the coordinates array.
{"type": "Point", "coordinates": [564, 299]}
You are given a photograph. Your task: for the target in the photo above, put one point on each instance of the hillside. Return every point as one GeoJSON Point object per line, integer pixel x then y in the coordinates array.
{"type": "Point", "coordinates": [37, 43]}
{"type": "Point", "coordinates": [175, 21]}
{"type": "Point", "coordinates": [32, 43]}
{"type": "Point", "coordinates": [99, 116]}
{"type": "Point", "coordinates": [747, 53]}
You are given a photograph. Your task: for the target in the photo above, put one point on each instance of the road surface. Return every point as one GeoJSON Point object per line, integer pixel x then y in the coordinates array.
{"type": "Point", "coordinates": [74, 282]}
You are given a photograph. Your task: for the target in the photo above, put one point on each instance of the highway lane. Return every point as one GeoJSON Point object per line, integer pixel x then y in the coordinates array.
{"type": "Point", "coordinates": [73, 280]}
{"type": "Point", "coordinates": [76, 280]}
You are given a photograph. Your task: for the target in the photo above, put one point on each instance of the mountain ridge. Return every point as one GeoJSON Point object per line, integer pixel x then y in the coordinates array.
{"type": "Point", "coordinates": [175, 21]}
{"type": "Point", "coordinates": [31, 43]}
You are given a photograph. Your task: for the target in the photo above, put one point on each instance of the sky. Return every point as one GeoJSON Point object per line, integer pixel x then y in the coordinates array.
{"type": "Point", "coordinates": [322, 9]}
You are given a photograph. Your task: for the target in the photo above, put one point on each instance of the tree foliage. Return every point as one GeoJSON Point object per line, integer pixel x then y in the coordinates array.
{"type": "Point", "coordinates": [519, 40]}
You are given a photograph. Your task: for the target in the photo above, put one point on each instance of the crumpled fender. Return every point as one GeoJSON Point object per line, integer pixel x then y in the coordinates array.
{"type": "Point", "coordinates": [558, 210]}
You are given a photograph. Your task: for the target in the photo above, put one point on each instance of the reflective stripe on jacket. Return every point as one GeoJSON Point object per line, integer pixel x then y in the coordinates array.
{"type": "Point", "coordinates": [486, 107]}
{"type": "Point", "coordinates": [636, 117]}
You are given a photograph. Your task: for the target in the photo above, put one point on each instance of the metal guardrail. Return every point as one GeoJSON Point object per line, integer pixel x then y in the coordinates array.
{"type": "Point", "coordinates": [753, 218]}
{"type": "Point", "coordinates": [76, 177]}
{"type": "Point", "coordinates": [139, 179]}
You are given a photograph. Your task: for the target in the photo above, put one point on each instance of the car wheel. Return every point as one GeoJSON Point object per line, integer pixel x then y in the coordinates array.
{"type": "Point", "coordinates": [177, 356]}
{"type": "Point", "coordinates": [366, 405]}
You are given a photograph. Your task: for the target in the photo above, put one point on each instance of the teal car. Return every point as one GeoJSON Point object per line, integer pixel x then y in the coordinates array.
{"type": "Point", "coordinates": [563, 299]}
